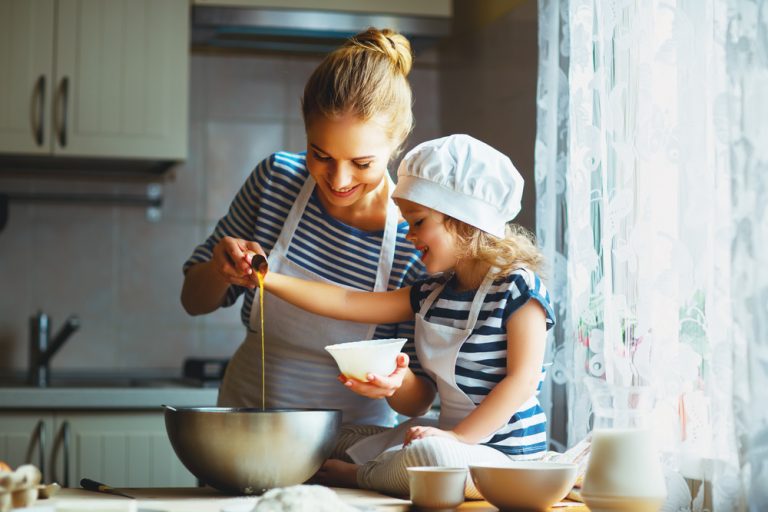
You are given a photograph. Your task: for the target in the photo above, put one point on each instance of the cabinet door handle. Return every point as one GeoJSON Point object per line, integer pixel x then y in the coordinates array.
{"type": "Point", "coordinates": [40, 125]}
{"type": "Point", "coordinates": [61, 441]}
{"type": "Point", "coordinates": [65, 433]}
{"type": "Point", "coordinates": [63, 107]}
{"type": "Point", "coordinates": [38, 439]}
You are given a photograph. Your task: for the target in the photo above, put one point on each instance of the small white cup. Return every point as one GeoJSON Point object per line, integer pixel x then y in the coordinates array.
{"type": "Point", "coordinates": [437, 488]}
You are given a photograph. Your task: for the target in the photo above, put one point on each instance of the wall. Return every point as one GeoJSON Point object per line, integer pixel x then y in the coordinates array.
{"type": "Point", "coordinates": [488, 83]}
{"type": "Point", "coordinates": [121, 273]}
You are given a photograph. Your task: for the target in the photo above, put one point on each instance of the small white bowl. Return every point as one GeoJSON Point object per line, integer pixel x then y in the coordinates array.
{"type": "Point", "coordinates": [529, 485]}
{"type": "Point", "coordinates": [437, 488]}
{"type": "Point", "coordinates": [357, 359]}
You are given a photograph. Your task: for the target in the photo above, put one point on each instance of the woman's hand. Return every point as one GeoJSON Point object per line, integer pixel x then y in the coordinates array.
{"type": "Point", "coordinates": [421, 432]}
{"type": "Point", "coordinates": [232, 261]}
{"type": "Point", "coordinates": [378, 386]}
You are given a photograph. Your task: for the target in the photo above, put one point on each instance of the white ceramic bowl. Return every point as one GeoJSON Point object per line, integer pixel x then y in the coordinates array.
{"type": "Point", "coordinates": [357, 359]}
{"type": "Point", "coordinates": [435, 487]}
{"type": "Point", "coordinates": [531, 485]}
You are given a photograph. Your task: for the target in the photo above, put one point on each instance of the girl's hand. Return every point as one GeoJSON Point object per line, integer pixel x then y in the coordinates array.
{"type": "Point", "coordinates": [415, 433]}
{"type": "Point", "coordinates": [378, 386]}
{"type": "Point", "coordinates": [232, 261]}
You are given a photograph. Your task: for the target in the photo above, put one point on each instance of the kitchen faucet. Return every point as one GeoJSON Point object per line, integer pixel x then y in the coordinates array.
{"type": "Point", "coordinates": [40, 351]}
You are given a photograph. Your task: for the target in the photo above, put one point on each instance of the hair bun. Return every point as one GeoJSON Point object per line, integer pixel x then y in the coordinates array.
{"type": "Point", "coordinates": [393, 44]}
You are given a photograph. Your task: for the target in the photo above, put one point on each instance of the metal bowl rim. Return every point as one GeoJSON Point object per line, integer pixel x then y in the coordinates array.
{"type": "Point", "coordinates": [248, 410]}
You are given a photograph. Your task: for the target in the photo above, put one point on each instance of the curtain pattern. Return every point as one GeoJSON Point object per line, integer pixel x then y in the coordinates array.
{"type": "Point", "coordinates": [652, 185]}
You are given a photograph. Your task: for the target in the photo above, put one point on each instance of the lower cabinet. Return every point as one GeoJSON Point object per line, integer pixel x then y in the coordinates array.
{"type": "Point", "coordinates": [121, 449]}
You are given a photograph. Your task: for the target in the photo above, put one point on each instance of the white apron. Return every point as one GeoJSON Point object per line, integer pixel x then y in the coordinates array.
{"type": "Point", "coordinates": [437, 347]}
{"type": "Point", "coordinates": [299, 372]}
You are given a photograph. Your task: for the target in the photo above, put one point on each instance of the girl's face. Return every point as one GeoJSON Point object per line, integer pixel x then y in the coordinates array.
{"type": "Point", "coordinates": [427, 232]}
{"type": "Point", "coordinates": [347, 157]}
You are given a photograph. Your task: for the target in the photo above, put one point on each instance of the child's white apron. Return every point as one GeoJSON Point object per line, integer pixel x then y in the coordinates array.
{"type": "Point", "coordinates": [299, 372]}
{"type": "Point", "coordinates": [437, 347]}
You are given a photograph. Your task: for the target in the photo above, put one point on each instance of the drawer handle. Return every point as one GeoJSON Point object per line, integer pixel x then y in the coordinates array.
{"type": "Point", "coordinates": [61, 441]}
{"type": "Point", "coordinates": [40, 96]}
{"type": "Point", "coordinates": [64, 100]}
{"type": "Point", "coordinates": [38, 439]}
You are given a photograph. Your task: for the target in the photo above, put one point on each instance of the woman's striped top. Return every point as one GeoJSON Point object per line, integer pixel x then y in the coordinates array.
{"type": "Point", "coordinates": [321, 244]}
{"type": "Point", "coordinates": [482, 359]}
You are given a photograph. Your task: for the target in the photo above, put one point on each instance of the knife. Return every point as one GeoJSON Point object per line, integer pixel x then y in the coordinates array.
{"type": "Point", "coordinates": [92, 485]}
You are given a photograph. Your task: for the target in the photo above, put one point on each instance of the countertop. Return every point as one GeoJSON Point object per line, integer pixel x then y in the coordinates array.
{"type": "Point", "coordinates": [116, 398]}
{"type": "Point", "coordinates": [195, 499]}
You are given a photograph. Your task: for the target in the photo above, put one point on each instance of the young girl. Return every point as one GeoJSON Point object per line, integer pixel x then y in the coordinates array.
{"type": "Point", "coordinates": [479, 336]}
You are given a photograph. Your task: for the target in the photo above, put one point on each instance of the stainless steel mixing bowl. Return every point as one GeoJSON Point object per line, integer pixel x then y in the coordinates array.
{"type": "Point", "coordinates": [247, 451]}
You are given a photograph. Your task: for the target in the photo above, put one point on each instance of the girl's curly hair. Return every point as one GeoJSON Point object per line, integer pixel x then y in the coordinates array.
{"type": "Point", "coordinates": [517, 249]}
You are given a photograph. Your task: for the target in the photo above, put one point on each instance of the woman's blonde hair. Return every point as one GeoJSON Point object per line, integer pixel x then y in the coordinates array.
{"type": "Point", "coordinates": [366, 77]}
{"type": "Point", "coordinates": [517, 249]}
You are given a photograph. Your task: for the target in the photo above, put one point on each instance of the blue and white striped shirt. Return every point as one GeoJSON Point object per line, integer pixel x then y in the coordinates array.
{"type": "Point", "coordinates": [322, 244]}
{"type": "Point", "coordinates": [482, 359]}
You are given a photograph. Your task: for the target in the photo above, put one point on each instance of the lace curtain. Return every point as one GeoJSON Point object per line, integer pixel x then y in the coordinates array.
{"type": "Point", "coordinates": [652, 210]}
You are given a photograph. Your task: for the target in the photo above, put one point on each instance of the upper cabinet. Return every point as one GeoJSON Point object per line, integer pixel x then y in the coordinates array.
{"type": "Point", "coordinates": [94, 78]}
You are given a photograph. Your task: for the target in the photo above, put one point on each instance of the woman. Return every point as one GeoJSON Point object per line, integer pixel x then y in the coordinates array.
{"type": "Point", "coordinates": [327, 216]}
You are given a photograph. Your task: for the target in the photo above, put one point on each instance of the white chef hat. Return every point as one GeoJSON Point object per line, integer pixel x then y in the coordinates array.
{"type": "Point", "coordinates": [463, 178]}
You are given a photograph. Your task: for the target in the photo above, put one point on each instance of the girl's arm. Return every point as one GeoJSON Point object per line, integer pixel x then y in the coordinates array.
{"type": "Point", "coordinates": [526, 343]}
{"type": "Point", "coordinates": [406, 393]}
{"type": "Point", "coordinates": [341, 303]}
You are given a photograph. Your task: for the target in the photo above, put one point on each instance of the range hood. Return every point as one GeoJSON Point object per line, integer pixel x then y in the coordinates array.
{"type": "Point", "coordinates": [302, 30]}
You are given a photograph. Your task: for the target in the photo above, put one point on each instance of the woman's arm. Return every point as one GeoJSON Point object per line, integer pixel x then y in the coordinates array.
{"type": "Point", "coordinates": [219, 263]}
{"type": "Point", "coordinates": [340, 303]}
{"type": "Point", "coordinates": [526, 343]}
{"type": "Point", "coordinates": [406, 392]}
{"type": "Point", "coordinates": [206, 284]}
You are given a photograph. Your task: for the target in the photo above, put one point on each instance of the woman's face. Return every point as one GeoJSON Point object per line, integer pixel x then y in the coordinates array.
{"type": "Point", "coordinates": [428, 234]}
{"type": "Point", "coordinates": [347, 157]}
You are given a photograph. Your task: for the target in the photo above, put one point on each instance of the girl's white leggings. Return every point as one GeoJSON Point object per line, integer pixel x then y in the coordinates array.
{"type": "Point", "coordinates": [387, 472]}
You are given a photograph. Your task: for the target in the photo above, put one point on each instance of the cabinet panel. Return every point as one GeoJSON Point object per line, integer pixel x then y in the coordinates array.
{"type": "Point", "coordinates": [122, 73]}
{"type": "Point", "coordinates": [124, 450]}
{"type": "Point", "coordinates": [26, 79]}
{"type": "Point", "coordinates": [21, 440]}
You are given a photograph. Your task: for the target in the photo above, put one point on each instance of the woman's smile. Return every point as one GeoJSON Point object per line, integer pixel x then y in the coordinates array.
{"type": "Point", "coordinates": [344, 191]}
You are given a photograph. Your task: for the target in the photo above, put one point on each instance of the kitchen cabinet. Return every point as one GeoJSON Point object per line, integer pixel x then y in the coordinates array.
{"type": "Point", "coordinates": [123, 449]}
{"type": "Point", "coordinates": [94, 78]}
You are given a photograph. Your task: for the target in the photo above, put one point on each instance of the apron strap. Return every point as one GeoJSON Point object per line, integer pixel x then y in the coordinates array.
{"type": "Point", "coordinates": [477, 301]}
{"type": "Point", "coordinates": [388, 242]}
{"type": "Point", "coordinates": [431, 298]}
{"type": "Point", "coordinates": [292, 220]}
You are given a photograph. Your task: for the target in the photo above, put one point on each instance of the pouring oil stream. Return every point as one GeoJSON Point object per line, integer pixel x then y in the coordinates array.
{"type": "Point", "coordinates": [260, 266]}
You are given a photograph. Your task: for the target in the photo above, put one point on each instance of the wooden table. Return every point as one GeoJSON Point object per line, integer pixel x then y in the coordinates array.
{"type": "Point", "coordinates": [196, 499]}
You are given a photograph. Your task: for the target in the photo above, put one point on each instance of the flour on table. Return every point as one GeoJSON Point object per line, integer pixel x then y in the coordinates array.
{"type": "Point", "coordinates": [302, 498]}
